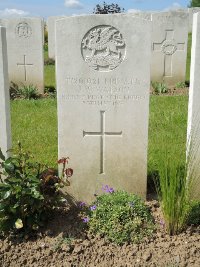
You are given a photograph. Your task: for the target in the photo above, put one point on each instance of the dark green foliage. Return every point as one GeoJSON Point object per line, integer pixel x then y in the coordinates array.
{"type": "Point", "coordinates": [194, 215]}
{"type": "Point", "coordinates": [49, 61]}
{"type": "Point", "coordinates": [107, 9]}
{"type": "Point", "coordinates": [28, 192]}
{"type": "Point", "coordinates": [194, 3]}
{"type": "Point", "coordinates": [121, 217]}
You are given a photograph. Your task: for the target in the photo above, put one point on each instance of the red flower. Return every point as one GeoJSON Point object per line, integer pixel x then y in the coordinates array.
{"type": "Point", "coordinates": [63, 160]}
{"type": "Point", "coordinates": [69, 172]}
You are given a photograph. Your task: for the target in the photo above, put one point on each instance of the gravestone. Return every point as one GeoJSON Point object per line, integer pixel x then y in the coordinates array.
{"type": "Point", "coordinates": [51, 35]}
{"type": "Point", "coordinates": [191, 12]}
{"type": "Point", "coordinates": [193, 131]}
{"type": "Point", "coordinates": [5, 128]}
{"type": "Point", "coordinates": [25, 51]}
{"type": "Point", "coordinates": [103, 79]}
{"type": "Point", "coordinates": [169, 47]}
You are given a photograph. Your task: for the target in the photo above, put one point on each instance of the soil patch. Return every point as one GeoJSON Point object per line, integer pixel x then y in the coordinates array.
{"type": "Point", "coordinates": [172, 91]}
{"type": "Point", "coordinates": [65, 242]}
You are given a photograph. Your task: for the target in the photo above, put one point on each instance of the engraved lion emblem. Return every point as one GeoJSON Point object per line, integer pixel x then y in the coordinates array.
{"type": "Point", "coordinates": [103, 48]}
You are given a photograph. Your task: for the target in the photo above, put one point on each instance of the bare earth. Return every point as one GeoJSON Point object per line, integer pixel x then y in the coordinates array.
{"type": "Point", "coordinates": [66, 243]}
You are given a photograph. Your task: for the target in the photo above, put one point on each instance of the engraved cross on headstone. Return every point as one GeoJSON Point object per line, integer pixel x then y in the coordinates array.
{"type": "Point", "coordinates": [24, 64]}
{"type": "Point", "coordinates": [102, 134]}
{"type": "Point", "coordinates": [168, 46]}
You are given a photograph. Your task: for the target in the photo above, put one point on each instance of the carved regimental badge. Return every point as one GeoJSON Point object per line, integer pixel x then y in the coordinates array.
{"type": "Point", "coordinates": [169, 47]}
{"type": "Point", "coordinates": [103, 48]}
{"type": "Point", "coordinates": [23, 30]}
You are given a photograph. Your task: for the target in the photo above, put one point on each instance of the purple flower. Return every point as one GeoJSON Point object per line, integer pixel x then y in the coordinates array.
{"type": "Point", "coordinates": [93, 207]}
{"type": "Point", "coordinates": [82, 204]}
{"type": "Point", "coordinates": [86, 219]}
{"type": "Point", "coordinates": [107, 189]}
{"type": "Point", "coordinates": [162, 223]}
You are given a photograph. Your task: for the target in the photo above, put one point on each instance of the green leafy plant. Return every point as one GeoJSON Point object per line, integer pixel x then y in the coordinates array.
{"type": "Point", "coordinates": [23, 92]}
{"type": "Point", "coordinates": [181, 85]}
{"type": "Point", "coordinates": [28, 190]}
{"type": "Point", "coordinates": [159, 88]}
{"type": "Point", "coordinates": [50, 92]}
{"type": "Point", "coordinates": [28, 92]}
{"type": "Point", "coordinates": [49, 61]}
{"type": "Point", "coordinates": [194, 214]}
{"type": "Point", "coordinates": [172, 192]}
{"type": "Point", "coordinates": [119, 216]}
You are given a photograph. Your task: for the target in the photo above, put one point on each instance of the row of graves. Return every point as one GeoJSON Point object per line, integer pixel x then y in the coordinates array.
{"type": "Point", "coordinates": [103, 73]}
{"type": "Point", "coordinates": [25, 39]}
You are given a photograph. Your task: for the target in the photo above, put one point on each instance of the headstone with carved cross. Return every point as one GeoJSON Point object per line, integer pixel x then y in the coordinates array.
{"type": "Point", "coordinates": [5, 127]}
{"type": "Point", "coordinates": [103, 78]}
{"type": "Point", "coordinates": [193, 130]}
{"type": "Point", "coordinates": [169, 46]}
{"type": "Point", "coordinates": [25, 51]}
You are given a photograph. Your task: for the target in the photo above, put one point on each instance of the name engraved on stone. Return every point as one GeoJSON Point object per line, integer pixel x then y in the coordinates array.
{"type": "Point", "coordinates": [24, 64]}
{"type": "Point", "coordinates": [102, 134]}
{"type": "Point", "coordinates": [103, 48]}
{"type": "Point", "coordinates": [168, 47]}
{"type": "Point", "coordinates": [23, 30]}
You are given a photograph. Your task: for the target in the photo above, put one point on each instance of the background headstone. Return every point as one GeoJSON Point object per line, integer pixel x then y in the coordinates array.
{"type": "Point", "coordinates": [5, 127]}
{"type": "Point", "coordinates": [169, 46]}
{"type": "Point", "coordinates": [25, 51]}
{"type": "Point", "coordinates": [191, 12]}
{"type": "Point", "coordinates": [193, 131]}
{"type": "Point", "coordinates": [103, 79]}
{"type": "Point", "coordinates": [51, 35]}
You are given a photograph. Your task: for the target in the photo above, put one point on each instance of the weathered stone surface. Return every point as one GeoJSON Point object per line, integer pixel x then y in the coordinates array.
{"type": "Point", "coordinates": [193, 133]}
{"type": "Point", "coordinates": [25, 51]}
{"type": "Point", "coordinates": [103, 79]}
{"type": "Point", "coordinates": [5, 128]}
{"type": "Point", "coordinates": [169, 46]}
{"type": "Point", "coordinates": [191, 12]}
{"type": "Point", "coordinates": [51, 34]}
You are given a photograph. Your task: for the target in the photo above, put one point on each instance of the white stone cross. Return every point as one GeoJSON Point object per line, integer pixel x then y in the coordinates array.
{"type": "Point", "coordinates": [168, 47]}
{"type": "Point", "coordinates": [24, 64]}
{"type": "Point", "coordinates": [102, 134]}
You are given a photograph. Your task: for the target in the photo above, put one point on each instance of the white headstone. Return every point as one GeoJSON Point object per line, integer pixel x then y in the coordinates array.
{"type": "Point", "coordinates": [25, 51]}
{"type": "Point", "coordinates": [103, 79]}
{"type": "Point", "coordinates": [169, 47]}
{"type": "Point", "coordinates": [191, 12]}
{"type": "Point", "coordinates": [51, 35]}
{"type": "Point", "coordinates": [193, 131]}
{"type": "Point", "coordinates": [5, 127]}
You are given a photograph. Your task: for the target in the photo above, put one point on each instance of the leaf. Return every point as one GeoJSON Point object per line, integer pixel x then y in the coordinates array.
{"type": "Point", "coordinates": [6, 195]}
{"type": "Point", "coordinates": [19, 224]}
{"type": "Point", "coordinates": [2, 155]}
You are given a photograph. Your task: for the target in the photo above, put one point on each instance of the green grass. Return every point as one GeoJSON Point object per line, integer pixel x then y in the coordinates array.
{"type": "Point", "coordinates": [34, 124]}
{"type": "Point", "coordinates": [167, 124]}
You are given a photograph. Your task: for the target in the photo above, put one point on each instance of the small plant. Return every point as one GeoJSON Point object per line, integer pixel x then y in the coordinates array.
{"type": "Point", "coordinates": [119, 216]}
{"type": "Point", "coordinates": [181, 85]}
{"type": "Point", "coordinates": [28, 92]}
{"type": "Point", "coordinates": [49, 61]}
{"type": "Point", "coordinates": [23, 92]}
{"type": "Point", "coordinates": [159, 88]}
{"type": "Point", "coordinates": [194, 214]}
{"type": "Point", "coordinates": [50, 92]}
{"type": "Point", "coordinates": [28, 191]}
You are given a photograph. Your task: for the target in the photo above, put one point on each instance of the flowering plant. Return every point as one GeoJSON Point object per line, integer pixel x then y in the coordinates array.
{"type": "Point", "coordinates": [119, 216]}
